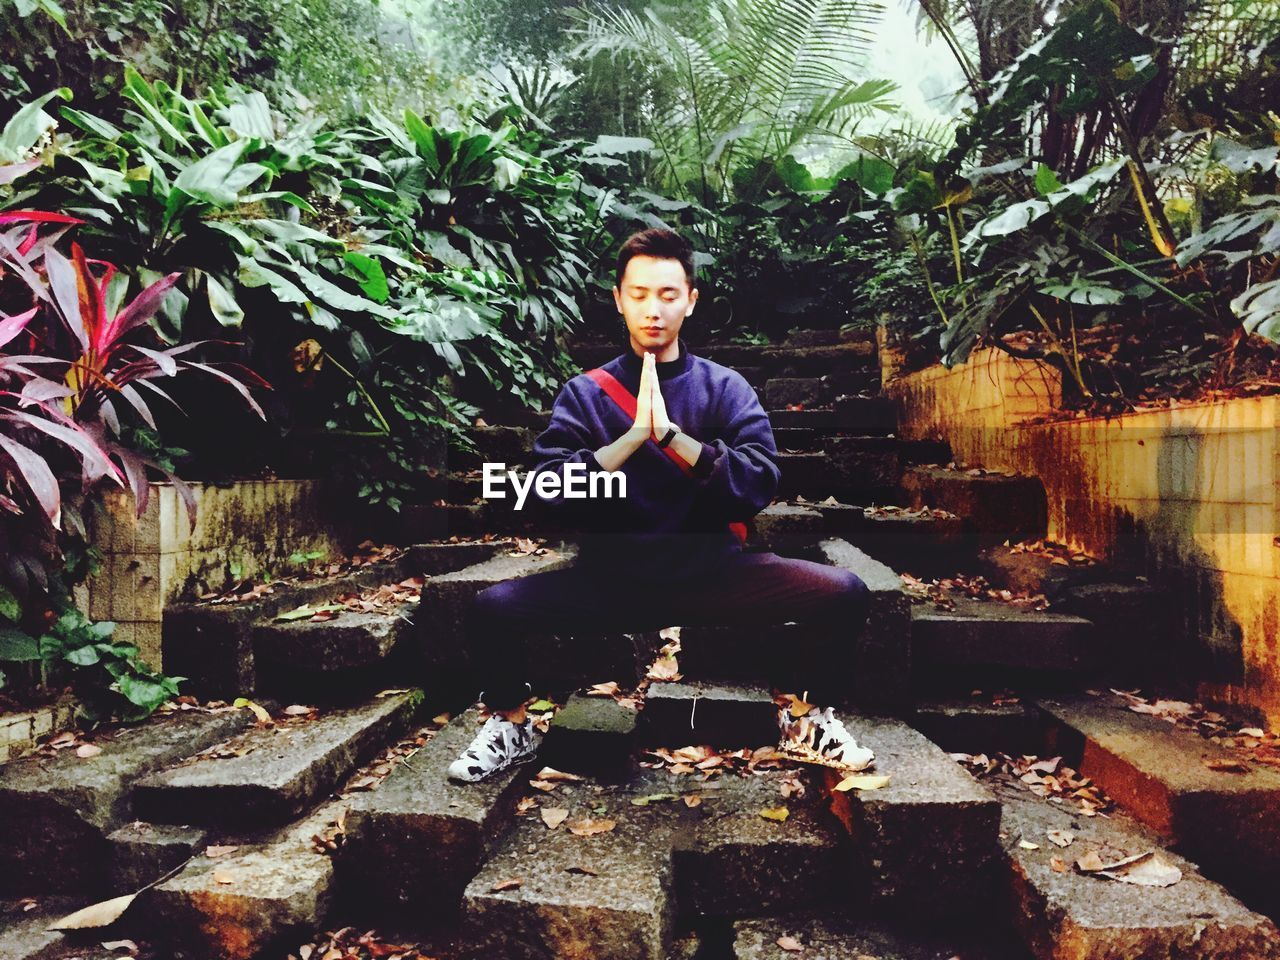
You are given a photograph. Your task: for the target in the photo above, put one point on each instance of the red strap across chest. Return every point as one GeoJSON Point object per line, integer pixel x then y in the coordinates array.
{"type": "Point", "coordinates": [626, 400]}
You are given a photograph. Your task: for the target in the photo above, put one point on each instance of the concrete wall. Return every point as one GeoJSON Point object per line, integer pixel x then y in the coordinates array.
{"type": "Point", "coordinates": [242, 530]}
{"type": "Point", "coordinates": [1185, 494]}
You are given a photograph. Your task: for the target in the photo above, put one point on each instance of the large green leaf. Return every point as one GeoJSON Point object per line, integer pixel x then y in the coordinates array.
{"type": "Point", "coordinates": [27, 126]}
{"type": "Point", "coordinates": [219, 177]}
{"type": "Point", "coordinates": [18, 646]}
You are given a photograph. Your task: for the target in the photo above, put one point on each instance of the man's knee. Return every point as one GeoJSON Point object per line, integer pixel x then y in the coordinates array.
{"type": "Point", "coordinates": [855, 598]}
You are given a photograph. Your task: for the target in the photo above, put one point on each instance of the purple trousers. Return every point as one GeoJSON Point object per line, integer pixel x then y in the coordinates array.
{"type": "Point", "coordinates": [736, 589]}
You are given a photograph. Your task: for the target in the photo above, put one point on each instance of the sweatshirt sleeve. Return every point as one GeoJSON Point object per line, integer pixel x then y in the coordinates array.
{"type": "Point", "coordinates": [737, 473]}
{"type": "Point", "coordinates": [567, 439]}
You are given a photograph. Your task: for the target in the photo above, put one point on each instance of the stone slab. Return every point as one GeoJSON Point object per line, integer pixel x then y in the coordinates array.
{"type": "Point", "coordinates": [270, 893]}
{"type": "Point", "coordinates": [350, 641]}
{"type": "Point", "coordinates": [67, 805]}
{"type": "Point", "coordinates": [1229, 823]}
{"type": "Point", "coordinates": [980, 635]}
{"type": "Point", "coordinates": [414, 843]}
{"type": "Point", "coordinates": [725, 717]}
{"type": "Point", "coordinates": [782, 392]}
{"type": "Point", "coordinates": [928, 840]}
{"type": "Point", "coordinates": [1066, 915]}
{"type": "Point", "coordinates": [824, 936]}
{"type": "Point", "coordinates": [142, 852]}
{"type": "Point", "coordinates": [592, 735]}
{"type": "Point", "coordinates": [980, 726]}
{"type": "Point", "coordinates": [283, 770]}
{"type": "Point", "coordinates": [866, 416]}
{"type": "Point", "coordinates": [997, 506]}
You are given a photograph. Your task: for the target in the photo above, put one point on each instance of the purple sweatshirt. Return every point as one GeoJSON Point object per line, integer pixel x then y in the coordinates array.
{"type": "Point", "coordinates": [666, 511]}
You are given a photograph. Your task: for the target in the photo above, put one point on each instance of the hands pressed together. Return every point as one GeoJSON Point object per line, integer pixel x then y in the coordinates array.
{"type": "Point", "coordinates": [651, 410]}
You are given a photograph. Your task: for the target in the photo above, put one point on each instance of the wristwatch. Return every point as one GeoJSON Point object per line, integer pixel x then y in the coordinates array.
{"type": "Point", "coordinates": [672, 430]}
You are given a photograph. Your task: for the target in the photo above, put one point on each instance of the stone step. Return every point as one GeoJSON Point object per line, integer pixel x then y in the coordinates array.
{"type": "Point", "coordinates": [864, 416]}
{"type": "Point", "coordinates": [563, 662]}
{"type": "Point", "coordinates": [1065, 913]}
{"type": "Point", "coordinates": [412, 845]}
{"type": "Point", "coordinates": [806, 337]}
{"type": "Point", "coordinates": [930, 452]}
{"type": "Point", "coordinates": [68, 806]}
{"type": "Point", "coordinates": [350, 641]}
{"type": "Point", "coordinates": [996, 506]}
{"type": "Point", "coordinates": [212, 644]}
{"type": "Point", "coordinates": [142, 852]}
{"type": "Point", "coordinates": [848, 467]}
{"type": "Point", "coordinates": [273, 773]}
{"type": "Point", "coordinates": [269, 893]}
{"type": "Point", "coordinates": [830, 936]}
{"type": "Point", "coordinates": [983, 642]}
{"type": "Point", "coordinates": [928, 840]}
{"type": "Point", "coordinates": [24, 933]}
{"type": "Point", "coordinates": [797, 438]}
{"type": "Point", "coordinates": [979, 725]}
{"type": "Point", "coordinates": [618, 893]}
{"type": "Point", "coordinates": [718, 715]}
{"type": "Point", "coordinates": [496, 443]}
{"type": "Point", "coordinates": [783, 392]}
{"type": "Point", "coordinates": [809, 418]}
{"type": "Point", "coordinates": [594, 736]}
{"type": "Point", "coordinates": [924, 545]}
{"type": "Point", "coordinates": [430, 521]}
{"type": "Point", "coordinates": [1227, 822]}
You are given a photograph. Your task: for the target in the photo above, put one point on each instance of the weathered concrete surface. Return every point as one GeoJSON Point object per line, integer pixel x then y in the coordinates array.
{"type": "Point", "coordinates": [282, 771]}
{"type": "Point", "coordinates": [997, 506]}
{"type": "Point", "coordinates": [592, 735]}
{"type": "Point", "coordinates": [23, 935]}
{"type": "Point", "coordinates": [928, 839]}
{"type": "Point", "coordinates": [447, 671]}
{"type": "Point", "coordinates": [725, 717]}
{"type": "Point", "coordinates": [987, 639]}
{"type": "Point", "coordinates": [212, 644]}
{"type": "Point", "coordinates": [142, 852]}
{"type": "Point", "coordinates": [870, 464]}
{"type": "Point", "coordinates": [68, 805]}
{"type": "Point", "coordinates": [812, 418]}
{"type": "Point", "coordinates": [980, 726]}
{"type": "Point", "coordinates": [808, 474]}
{"type": "Point", "coordinates": [497, 444]}
{"type": "Point", "coordinates": [1229, 823]}
{"type": "Point", "coordinates": [797, 438]}
{"type": "Point", "coordinates": [823, 936]}
{"type": "Point", "coordinates": [1133, 622]}
{"type": "Point", "coordinates": [924, 546]}
{"type": "Point", "coordinates": [781, 392]}
{"type": "Point", "coordinates": [620, 910]}
{"type": "Point", "coordinates": [1067, 915]}
{"type": "Point", "coordinates": [352, 640]}
{"type": "Point", "coordinates": [865, 416]}
{"type": "Point", "coordinates": [735, 862]}
{"type": "Point", "coordinates": [268, 893]}
{"type": "Point", "coordinates": [414, 843]}
{"type": "Point", "coordinates": [782, 526]}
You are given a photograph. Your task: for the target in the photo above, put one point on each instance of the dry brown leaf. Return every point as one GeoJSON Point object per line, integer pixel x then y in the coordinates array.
{"type": "Point", "coordinates": [550, 773]}
{"type": "Point", "coordinates": [554, 816]}
{"type": "Point", "coordinates": [1060, 837]}
{"type": "Point", "coordinates": [298, 710]}
{"type": "Point", "coordinates": [100, 914]}
{"type": "Point", "coordinates": [546, 786]}
{"type": "Point", "coordinates": [692, 799]}
{"type": "Point", "coordinates": [790, 944]}
{"type": "Point", "coordinates": [87, 750]}
{"type": "Point", "coordinates": [1221, 764]}
{"type": "Point", "coordinates": [589, 828]}
{"type": "Point", "coordinates": [215, 850]}
{"type": "Point", "coordinates": [510, 884]}
{"type": "Point", "coordinates": [221, 876]}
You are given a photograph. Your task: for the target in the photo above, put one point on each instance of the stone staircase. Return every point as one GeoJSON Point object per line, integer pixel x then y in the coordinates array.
{"type": "Point", "coordinates": [658, 822]}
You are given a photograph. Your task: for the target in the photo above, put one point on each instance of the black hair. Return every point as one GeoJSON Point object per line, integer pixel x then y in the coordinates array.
{"type": "Point", "coordinates": [657, 242]}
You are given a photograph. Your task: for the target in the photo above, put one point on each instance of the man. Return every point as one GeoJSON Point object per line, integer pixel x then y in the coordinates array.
{"type": "Point", "coordinates": [665, 554]}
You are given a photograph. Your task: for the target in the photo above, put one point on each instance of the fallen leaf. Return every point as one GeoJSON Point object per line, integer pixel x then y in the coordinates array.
{"type": "Point", "coordinates": [1028, 845]}
{"type": "Point", "coordinates": [120, 945]}
{"type": "Point", "coordinates": [214, 850]}
{"type": "Point", "coordinates": [525, 805]}
{"type": "Point", "coordinates": [1060, 837]}
{"type": "Point", "coordinates": [263, 718]}
{"type": "Point", "coordinates": [546, 786]}
{"type": "Point", "coordinates": [549, 773]}
{"type": "Point", "coordinates": [541, 706]}
{"type": "Point", "coordinates": [1221, 764]}
{"type": "Point", "coordinates": [778, 814]}
{"type": "Point", "coordinates": [1058, 865]}
{"type": "Point", "coordinates": [506, 885]}
{"type": "Point", "coordinates": [866, 781]}
{"type": "Point", "coordinates": [554, 816]}
{"type": "Point", "coordinates": [100, 914]}
{"type": "Point", "coordinates": [1153, 871]}
{"type": "Point", "coordinates": [692, 799]}
{"type": "Point", "coordinates": [790, 944]}
{"type": "Point", "coordinates": [297, 710]}
{"type": "Point", "coordinates": [603, 689]}
{"type": "Point", "coordinates": [441, 719]}
{"type": "Point", "coordinates": [589, 828]}
{"type": "Point", "coordinates": [585, 871]}
{"type": "Point", "coordinates": [87, 750]}
{"type": "Point", "coordinates": [653, 798]}
{"type": "Point", "coordinates": [664, 668]}
{"type": "Point", "coordinates": [221, 876]}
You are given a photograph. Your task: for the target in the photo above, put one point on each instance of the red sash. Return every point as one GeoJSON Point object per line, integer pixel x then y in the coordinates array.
{"type": "Point", "coordinates": [627, 401]}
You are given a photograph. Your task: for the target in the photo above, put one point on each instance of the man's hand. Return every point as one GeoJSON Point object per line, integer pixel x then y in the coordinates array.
{"type": "Point", "coordinates": [651, 410]}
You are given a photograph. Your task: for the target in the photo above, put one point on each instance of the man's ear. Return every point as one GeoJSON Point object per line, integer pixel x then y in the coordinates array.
{"type": "Point", "coordinates": [693, 299]}
{"type": "Point", "coordinates": [617, 299]}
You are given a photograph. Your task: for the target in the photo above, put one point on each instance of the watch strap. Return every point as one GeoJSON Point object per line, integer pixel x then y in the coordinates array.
{"type": "Point", "coordinates": [672, 430]}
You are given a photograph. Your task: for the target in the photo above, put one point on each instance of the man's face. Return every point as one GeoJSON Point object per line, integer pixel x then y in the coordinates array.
{"type": "Point", "coordinates": [654, 300]}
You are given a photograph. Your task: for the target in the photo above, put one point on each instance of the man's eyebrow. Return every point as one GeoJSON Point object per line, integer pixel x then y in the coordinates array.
{"type": "Point", "coordinates": [641, 286]}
